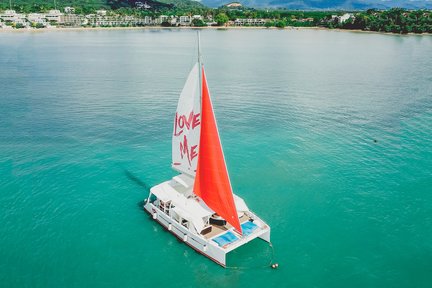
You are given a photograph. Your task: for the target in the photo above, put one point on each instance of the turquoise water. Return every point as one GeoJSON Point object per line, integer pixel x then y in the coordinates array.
{"type": "Point", "coordinates": [327, 136]}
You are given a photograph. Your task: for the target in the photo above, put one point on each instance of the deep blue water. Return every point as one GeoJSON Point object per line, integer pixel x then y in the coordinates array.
{"type": "Point", "coordinates": [327, 136]}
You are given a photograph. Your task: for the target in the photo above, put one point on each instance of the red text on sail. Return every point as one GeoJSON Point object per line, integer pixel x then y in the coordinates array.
{"type": "Point", "coordinates": [181, 124]}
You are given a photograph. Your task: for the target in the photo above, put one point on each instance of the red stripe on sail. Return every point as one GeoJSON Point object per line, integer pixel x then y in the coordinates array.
{"type": "Point", "coordinates": [212, 182]}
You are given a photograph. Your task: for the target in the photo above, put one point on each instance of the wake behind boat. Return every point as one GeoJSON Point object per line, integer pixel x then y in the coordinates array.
{"type": "Point", "coordinates": [198, 205]}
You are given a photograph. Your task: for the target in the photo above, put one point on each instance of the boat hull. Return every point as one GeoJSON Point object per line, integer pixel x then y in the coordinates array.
{"type": "Point", "coordinates": [199, 243]}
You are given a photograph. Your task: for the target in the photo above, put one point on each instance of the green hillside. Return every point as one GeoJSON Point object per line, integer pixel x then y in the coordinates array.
{"type": "Point", "coordinates": [87, 6]}
{"type": "Point", "coordinates": [184, 4]}
{"type": "Point", "coordinates": [43, 5]}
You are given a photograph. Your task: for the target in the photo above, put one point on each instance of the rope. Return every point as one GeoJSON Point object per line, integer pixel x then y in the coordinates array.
{"type": "Point", "coordinates": [255, 267]}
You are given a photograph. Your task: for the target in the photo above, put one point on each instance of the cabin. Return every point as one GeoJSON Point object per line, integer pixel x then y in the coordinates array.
{"type": "Point", "coordinates": [176, 199]}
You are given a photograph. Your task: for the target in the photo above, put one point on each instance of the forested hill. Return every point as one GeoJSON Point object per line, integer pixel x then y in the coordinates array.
{"type": "Point", "coordinates": [86, 6]}
{"type": "Point", "coordinates": [327, 4]}
{"type": "Point", "coordinates": [44, 4]}
{"type": "Point", "coordinates": [155, 4]}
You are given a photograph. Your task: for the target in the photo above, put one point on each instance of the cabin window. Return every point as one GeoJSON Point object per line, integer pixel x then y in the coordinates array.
{"type": "Point", "coordinates": [185, 223]}
{"type": "Point", "coordinates": [153, 198]}
{"type": "Point", "coordinates": [167, 207]}
{"type": "Point", "coordinates": [162, 205]}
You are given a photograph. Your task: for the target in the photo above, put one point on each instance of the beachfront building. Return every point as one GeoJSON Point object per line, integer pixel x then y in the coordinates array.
{"type": "Point", "coordinates": [54, 16]}
{"type": "Point", "coordinates": [212, 23]}
{"type": "Point", "coordinates": [37, 20]}
{"type": "Point", "coordinates": [249, 22]}
{"type": "Point", "coordinates": [72, 20]}
{"type": "Point", "coordinates": [345, 17]}
{"type": "Point", "coordinates": [148, 20]}
{"type": "Point", "coordinates": [174, 21]}
{"type": "Point", "coordinates": [8, 16]}
{"type": "Point", "coordinates": [342, 19]}
{"type": "Point", "coordinates": [11, 18]}
{"type": "Point", "coordinates": [303, 20]}
{"type": "Point", "coordinates": [115, 20]}
{"type": "Point", "coordinates": [185, 21]}
{"type": "Point", "coordinates": [163, 18]}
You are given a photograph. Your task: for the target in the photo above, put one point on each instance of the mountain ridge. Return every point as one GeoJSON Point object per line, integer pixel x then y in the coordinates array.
{"type": "Point", "coordinates": [327, 4]}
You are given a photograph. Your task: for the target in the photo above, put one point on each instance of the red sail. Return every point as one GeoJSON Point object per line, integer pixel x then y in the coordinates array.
{"type": "Point", "coordinates": [212, 182]}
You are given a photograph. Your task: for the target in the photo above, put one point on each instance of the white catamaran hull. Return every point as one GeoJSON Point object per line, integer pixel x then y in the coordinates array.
{"type": "Point", "coordinates": [203, 244]}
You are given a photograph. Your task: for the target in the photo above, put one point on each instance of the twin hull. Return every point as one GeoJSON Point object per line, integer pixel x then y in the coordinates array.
{"type": "Point", "coordinates": [199, 243]}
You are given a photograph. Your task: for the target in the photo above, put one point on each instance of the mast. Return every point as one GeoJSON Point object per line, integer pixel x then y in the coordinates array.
{"type": "Point", "coordinates": [199, 49]}
{"type": "Point", "coordinates": [200, 65]}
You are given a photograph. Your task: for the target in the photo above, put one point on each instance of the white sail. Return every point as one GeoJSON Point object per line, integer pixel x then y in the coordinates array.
{"type": "Point", "coordinates": [187, 124]}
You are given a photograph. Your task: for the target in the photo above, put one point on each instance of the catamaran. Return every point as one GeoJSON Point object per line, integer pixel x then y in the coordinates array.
{"type": "Point", "coordinates": [198, 205]}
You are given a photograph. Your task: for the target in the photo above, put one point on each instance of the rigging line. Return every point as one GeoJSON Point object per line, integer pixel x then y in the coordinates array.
{"type": "Point", "coordinates": [255, 267]}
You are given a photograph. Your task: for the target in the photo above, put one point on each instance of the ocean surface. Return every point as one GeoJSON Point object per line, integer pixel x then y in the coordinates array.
{"type": "Point", "coordinates": [327, 136]}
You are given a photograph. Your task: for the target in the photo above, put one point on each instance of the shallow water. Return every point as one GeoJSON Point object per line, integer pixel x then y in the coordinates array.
{"type": "Point", "coordinates": [327, 136]}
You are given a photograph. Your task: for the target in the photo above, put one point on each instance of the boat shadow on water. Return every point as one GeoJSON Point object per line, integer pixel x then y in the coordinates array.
{"type": "Point", "coordinates": [138, 182]}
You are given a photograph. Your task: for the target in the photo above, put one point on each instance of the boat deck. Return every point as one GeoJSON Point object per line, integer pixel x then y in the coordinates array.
{"type": "Point", "coordinates": [217, 229]}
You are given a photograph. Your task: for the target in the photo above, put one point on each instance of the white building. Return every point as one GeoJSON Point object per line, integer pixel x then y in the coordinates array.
{"type": "Point", "coordinates": [184, 20]}
{"type": "Point", "coordinates": [148, 20]}
{"type": "Point", "coordinates": [173, 21]}
{"type": "Point", "coordinates": [101, 12]}
{"type": "Point", "coordinates": [54, 16]}
{"type": "Point", "coordinates": [69, 10]}
{"type": "Point", "coordinates": [233, 5]}
{"type": "Point", "coordinates": [163, 18]}
{"type": "Point", "coordinates": [142, 5]}
{"type": "Point", "coordinates": [36, 18]}
{"type": "Point", "coordinates": [345, 17]}
{"type": "Point", "coordinates": [9, 16]}
{"type": "Point", "coordinates": [249, 22]}
{"type": "Point", "coordinates": [12, 17]}
{"type": "Point", "coordinates": [72, 20]}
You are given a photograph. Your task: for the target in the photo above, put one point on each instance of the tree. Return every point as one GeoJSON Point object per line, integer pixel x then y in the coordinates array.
{"type": "Point", "coordinates": [221, 19]}
{"type": "Point", "coordinates": [269, 24]}
{"type": "Point", "coordinates": [280, 24]}
{"type": "Point", "coordinates": [198, 23]}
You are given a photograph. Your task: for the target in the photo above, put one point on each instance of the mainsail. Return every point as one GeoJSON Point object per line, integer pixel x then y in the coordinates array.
{"type": "Point", "coordinates": [212, 182]}
{"type": "Point", "coordinates": [187, 123]}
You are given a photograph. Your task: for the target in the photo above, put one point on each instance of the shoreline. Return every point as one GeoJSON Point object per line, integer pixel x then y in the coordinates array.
{"type": "Point", "coordinates": [62, 29]}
